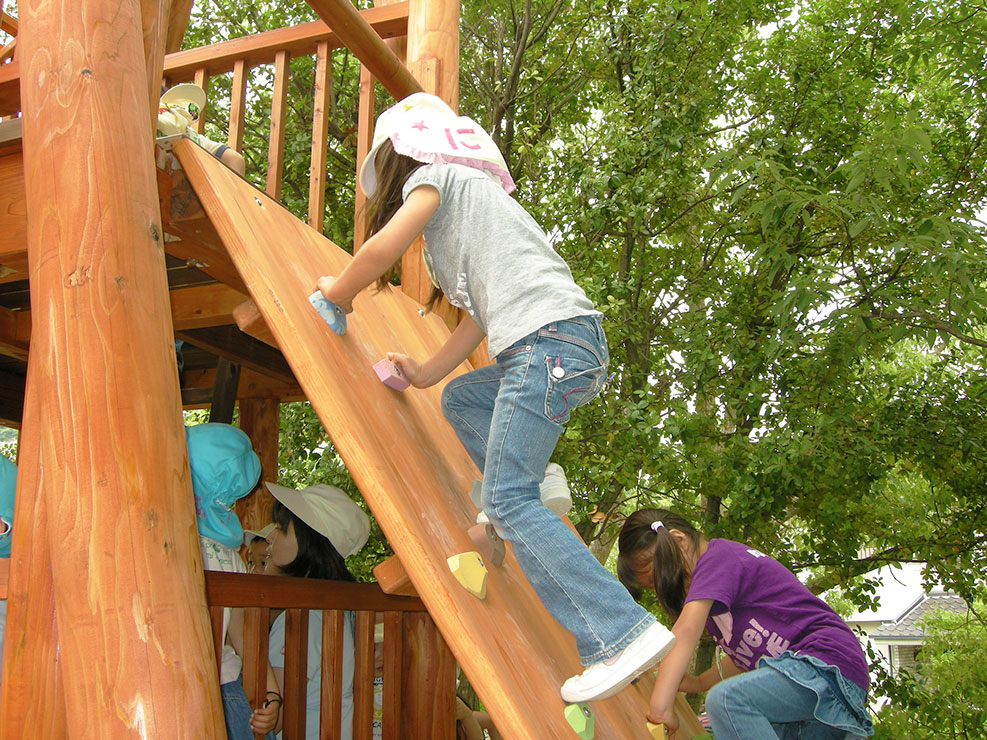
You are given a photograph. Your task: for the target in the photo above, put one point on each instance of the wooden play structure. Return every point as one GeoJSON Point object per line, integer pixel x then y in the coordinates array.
{"type": "Point", "coordinates": [111, 248]}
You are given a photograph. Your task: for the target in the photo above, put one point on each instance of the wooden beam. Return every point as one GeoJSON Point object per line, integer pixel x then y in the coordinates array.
{"type": "Point", "coordinates": [197, 307]}
{"type": "Point", "coordinates": [279, 114]}
{"type": "Point", "coordinates": [203, 306]}
{"type": "Point", "coordinates": [224, 392]}
{"type": "Point", "coordinates": [138, 660]}
{"type": "Point", "coordinates": [197, 388]}
{"type": "Point", "coordinates": [178, 17]}
{"type": "Point", "coordinates": [234, 345]}
{"type": "Point", "coordinates": [11, 400]}
{"type": "Point", "coordinates": [260, 418]}
{"type": "Point", "coordinates": [10, 87]}
{"type": "Point", "coordinates": [262, 48]}
{"type": "Point", "coordinates": [320, 145]}
{"type": "Point", "coordinates": [13, 211]}
{"type": "Point", "coordinates": [361, 39]}
{"type": "Point", "coordinates": [15, 333]}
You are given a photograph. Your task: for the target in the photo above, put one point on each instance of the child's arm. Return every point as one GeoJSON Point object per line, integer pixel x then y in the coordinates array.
{"type": "Point", "coordinates": [688, 628]}
{"type": "Point", "coordinates": [266, 718]}
{"type": "Point", "coordinates": [383, 249]}
{"type": "Point", "coordinates": [709, 678]}
{"type": "Point", "coordinates": [464, 340]}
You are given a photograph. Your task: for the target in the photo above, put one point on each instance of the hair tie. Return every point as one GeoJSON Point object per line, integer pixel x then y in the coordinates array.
{"type": "Point", "coordinates": [656, 526]}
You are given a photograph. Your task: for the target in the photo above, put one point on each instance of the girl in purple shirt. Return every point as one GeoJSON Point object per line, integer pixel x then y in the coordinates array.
{"type": "Point", "coordinates": [793, 668]}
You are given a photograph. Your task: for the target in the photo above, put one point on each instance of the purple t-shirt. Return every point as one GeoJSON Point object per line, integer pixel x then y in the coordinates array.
{"type": "Point", "coordinates": [760, 609]}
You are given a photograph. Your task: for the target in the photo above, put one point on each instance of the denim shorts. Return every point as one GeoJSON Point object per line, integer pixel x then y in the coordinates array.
{"type": "Point", "coordinates": [840, 703]}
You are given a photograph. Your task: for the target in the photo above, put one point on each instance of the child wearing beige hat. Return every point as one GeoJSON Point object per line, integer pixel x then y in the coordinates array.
{"type": "Point", "coordinates": [315, 529]}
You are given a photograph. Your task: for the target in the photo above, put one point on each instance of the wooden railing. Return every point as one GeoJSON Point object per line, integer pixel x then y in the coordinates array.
{"type": "Point", "coordinates": [418, 671]}
{"type": "Point", "coordinates": [360, 32]}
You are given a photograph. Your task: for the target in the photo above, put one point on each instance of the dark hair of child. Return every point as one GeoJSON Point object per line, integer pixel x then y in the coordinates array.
{"type": "Point", "coordinates": [641, 547]}
{"type": "Point", "coordinates": [392, 170]}
{"type": "Point", "coordinates": [317, 558]}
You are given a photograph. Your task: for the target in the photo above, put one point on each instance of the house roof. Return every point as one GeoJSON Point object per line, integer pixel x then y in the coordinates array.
{"type": "Point", "coordinates": [908, 625]}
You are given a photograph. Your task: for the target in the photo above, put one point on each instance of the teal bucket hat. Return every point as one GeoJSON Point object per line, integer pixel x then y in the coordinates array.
{"type": "Point", "coordinates": [8, 482]}
{"type": "Point", "coordinates": [224, 468]}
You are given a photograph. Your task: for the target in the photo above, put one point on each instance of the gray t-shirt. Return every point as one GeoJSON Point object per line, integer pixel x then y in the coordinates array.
{"type": "Point", "coordinates": [492, 260]}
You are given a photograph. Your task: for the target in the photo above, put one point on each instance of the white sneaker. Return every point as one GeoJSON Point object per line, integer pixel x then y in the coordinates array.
{"type": "Point", "coordinates": [553, 491]}
{"type": "Point", "coordinates": [607, 677]}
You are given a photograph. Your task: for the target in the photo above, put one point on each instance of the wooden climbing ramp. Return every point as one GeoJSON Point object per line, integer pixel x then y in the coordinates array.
{"type": "Point", "coordinates": [404, 457]}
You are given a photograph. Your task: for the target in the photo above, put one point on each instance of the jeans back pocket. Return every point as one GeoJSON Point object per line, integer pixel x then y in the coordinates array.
{"type": "Point", "coordinates": [571, 383]}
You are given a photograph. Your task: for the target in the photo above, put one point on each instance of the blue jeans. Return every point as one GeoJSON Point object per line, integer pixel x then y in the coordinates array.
{"type": "Point", "coordinates": [791, 698]}
{"type": "Point", "coordinates": [236, 710]}
{"type": "Point", "coordinates": [509, 417]}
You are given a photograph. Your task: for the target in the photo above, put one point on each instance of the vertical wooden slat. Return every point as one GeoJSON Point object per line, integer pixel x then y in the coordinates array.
{"type": "Point", "coordinates": [238, 104]}
{"type": "Point", "coordinates": [320, 132]}
{"type": "Point", "coordinates": [279, 111]}
{"type": "Point", "coordinates": [364, 138]}
{"type": "Point", "coordinates": [331, 691]}
{"type": "Point", "coordinates": [32, 699]}
{"type": "Point", "coordinates": [428, 706]}
{"type": "Point", "coordinates": [363, 675]}
{"type": "Point", "coordinates": [255, 662]}
{"type": "Point", "coordinates": [393, 670]}
{"type": "Point", "coordinates": [216, 622]}
{"type": "Point", "coordinates": [260, 419]}
{"type": "Point", "coordinates": [201, 79]}
{"type": "Point", "coordinates": [295, 671]}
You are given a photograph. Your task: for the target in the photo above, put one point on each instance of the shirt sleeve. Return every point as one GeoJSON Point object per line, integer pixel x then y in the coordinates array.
{"type": "Point", "coordinates": [275, 643]}
{"type": "Point", "coordinates": [717, 577]}
{"type": "Point", "coordinates": [424, 175]}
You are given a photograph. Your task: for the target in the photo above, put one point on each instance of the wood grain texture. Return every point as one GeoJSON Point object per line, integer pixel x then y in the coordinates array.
{"type": "Point", "coordinates": [405, 459]}
{"type": "Point", "coordinates": [32, 698]}
{"type": "Point", "coordinates": [134, 642]}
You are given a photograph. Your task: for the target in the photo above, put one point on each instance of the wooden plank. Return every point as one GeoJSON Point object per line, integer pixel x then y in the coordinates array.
{"type": "Point", "coordinates": [403, 457]}
{"type": "Point", "coordinates": [10, 87]}
{"type": "Point", "coordinates": [364, 140]}
{"type": "Point", "coordinates": [140, 655]}
{"type": "Point", "coordinates": [232, 344]}
{"type": "Point", "coordinates": [393, 677]}
{"type": "Point", "coordinates": [331, 677]}
{"type": "Point", "coordinates": [363, 674]}
{"type": "Point", "coordinates": [428, 708]}
{"type": "Point", "coordinates": [13, 212]}
{"type": "Point", "coordinates": [259, 419]}
{"type": "Point", "coordinates": [279, 113]}
{"type": "Point", "coordinates": [245, 589]}
{"type": "Point", "coordinates": [295, 671]}
{"type": "Point", "coordinates": [393, 578]}
{"type": "Point", "coordinates": [200, 306]}
{"type": "Point", "coordinates": [262, 48]}
{"type": "Point", "coordinates": [255, 658]}
{"type": "Point", "coordinates": [320, 132]}
{"type": "Point", "coordinates": [201, 78]}
{"type": "Point", "coordinates": [224, 392]}
{"type": "Point", "coordinates": [360, 38]}
{"type": "Point", "coordinates": [238, 105]}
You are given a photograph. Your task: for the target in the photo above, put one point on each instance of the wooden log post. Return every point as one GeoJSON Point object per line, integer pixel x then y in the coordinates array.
{"type": "Point", "coordinates": [135, 647]}
{"type": "Point", "coordinates": [32, 700]}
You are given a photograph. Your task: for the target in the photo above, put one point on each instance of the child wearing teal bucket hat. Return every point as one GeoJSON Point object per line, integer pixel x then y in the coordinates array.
{"type": "Point", "coordinates": [8, 482]}
{"type": "Point", "coordinates": [224, 469]}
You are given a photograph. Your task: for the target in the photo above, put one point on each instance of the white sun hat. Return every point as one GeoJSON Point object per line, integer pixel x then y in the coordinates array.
{"type": "Point", "coordinates": [424, 128]}
{"type": "Point", "coordinates": [186, 96]}
{"type": "Point", "coordinates": [328, 511]}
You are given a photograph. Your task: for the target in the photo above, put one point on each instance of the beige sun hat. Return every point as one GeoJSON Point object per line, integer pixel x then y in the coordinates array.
{"type": "Point", "coordinates": [424, 128]}
{"type": "Point", "coordinates": [330, 512]}
{"type": "Point", "coordinates": [186, 96]}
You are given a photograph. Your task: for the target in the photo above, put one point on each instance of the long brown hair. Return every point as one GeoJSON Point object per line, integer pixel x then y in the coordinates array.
{"type": "Point", "coordinates": [640, 544]}
{"type": "Point", "coordinates": [392, 170]}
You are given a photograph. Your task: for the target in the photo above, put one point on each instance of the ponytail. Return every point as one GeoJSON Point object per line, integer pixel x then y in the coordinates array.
{"type": "Point", "coordinates": [646, 543]}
